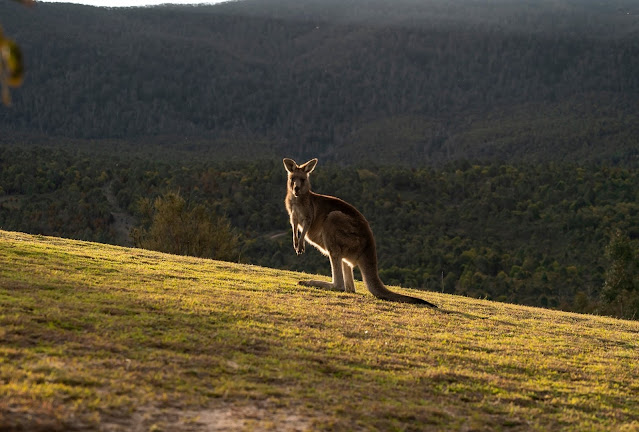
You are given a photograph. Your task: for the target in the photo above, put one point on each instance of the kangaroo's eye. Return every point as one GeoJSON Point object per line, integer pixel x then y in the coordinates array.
{"type": "Point", "coordinates": [302, 181]}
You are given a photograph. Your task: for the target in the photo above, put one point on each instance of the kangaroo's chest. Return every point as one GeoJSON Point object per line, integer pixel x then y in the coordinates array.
{"type": "Point", "coordinates": [304, 217]}
{"type": "Point", "coordinates": [300, 211]}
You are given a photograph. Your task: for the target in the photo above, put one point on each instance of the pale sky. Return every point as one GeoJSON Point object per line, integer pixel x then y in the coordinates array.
{"type": "Point", "coordinates": [130, 3]}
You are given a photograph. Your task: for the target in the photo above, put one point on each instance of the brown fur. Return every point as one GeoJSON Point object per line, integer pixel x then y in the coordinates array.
{"type": "Point", "coordinates": [339, 231]}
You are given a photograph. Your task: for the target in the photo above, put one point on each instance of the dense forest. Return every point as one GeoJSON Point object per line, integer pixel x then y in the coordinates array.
{"type": "Point", "coordinates": [404, 82]}
{"type": "Point", "coordinates": [520, 233]}
{"type": "Point", "coordinates": [493, 146]}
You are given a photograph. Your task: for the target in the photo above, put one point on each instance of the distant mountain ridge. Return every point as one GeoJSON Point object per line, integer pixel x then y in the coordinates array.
{"type": "Point", "coordinates": [407, 82]}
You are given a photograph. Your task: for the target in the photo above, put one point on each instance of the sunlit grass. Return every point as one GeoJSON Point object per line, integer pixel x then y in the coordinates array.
{"type": "Point", "coordinates": [94, 336]}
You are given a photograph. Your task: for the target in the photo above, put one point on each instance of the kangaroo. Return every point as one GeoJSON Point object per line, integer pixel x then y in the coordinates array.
{"type": "Point", "coordinates": [339, 231]}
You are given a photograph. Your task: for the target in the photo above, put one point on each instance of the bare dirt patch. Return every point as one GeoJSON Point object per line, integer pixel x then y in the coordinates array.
{"type": "Point", "coordinates": [218, 418]}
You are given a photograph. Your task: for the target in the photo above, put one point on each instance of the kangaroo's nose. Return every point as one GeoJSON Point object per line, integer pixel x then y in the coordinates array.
{"type": "Point", "coordinates": [297, 189]}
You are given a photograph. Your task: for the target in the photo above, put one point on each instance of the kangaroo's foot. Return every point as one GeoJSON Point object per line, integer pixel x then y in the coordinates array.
{"type": "Point", "coordinates": [321, 284]}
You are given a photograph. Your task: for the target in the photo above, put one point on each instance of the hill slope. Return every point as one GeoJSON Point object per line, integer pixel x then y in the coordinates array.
{"type": "Point", "coordinates": [412, 83]}
{"type": "Point", "coordinates": [125, 339]}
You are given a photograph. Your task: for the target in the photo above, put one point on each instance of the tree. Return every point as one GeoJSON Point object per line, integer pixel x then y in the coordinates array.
{"type": "Point", "coordinates": [620, 290]}
{"type": "Point", "coordinates": [178, 228]}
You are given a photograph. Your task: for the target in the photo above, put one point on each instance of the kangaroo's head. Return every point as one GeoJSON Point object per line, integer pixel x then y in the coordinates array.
{"type": "Point", "coordinates": [298, 182]}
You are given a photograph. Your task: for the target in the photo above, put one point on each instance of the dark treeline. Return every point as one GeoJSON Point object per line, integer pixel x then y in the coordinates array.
{"type": "Point", "coordinates": [533, 235]}
{"type": "Point", "coordinates": [413, 83]}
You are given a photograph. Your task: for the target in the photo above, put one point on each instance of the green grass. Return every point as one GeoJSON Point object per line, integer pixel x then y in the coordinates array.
{"type": "Point", "coordinates": [109, 338]}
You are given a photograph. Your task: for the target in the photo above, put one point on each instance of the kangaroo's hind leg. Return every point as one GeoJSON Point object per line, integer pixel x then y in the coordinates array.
{"type": "Point", "coordinates": [349, 281]}
{"type": "Point", "coordinates": [338, 277]}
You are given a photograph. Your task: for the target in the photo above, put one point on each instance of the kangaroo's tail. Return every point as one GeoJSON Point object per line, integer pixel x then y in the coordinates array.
{"type": "Point", "coordinates": [370, 274]}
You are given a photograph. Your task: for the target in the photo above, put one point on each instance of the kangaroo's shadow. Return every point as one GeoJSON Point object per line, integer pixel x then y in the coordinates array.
{"type": "Point", "coordinates": [463, 314]}
{"type": "Point", "coordinates": [476, 317]}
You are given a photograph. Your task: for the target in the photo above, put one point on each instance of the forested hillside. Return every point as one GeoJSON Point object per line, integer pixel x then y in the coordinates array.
{"type": "Point", "coordinates": [492, 145]}
{"type": "Point", "coordinates": [406, 82]}
{"type": "Point", "coordinates": [534, 235]}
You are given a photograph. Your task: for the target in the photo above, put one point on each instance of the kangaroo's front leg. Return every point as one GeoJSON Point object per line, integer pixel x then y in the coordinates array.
{"type": "Point", "coordinates": [301, 241]}
{"type": "Point", "coordinates": [296, 242]}
{"type": "Point", "coordinates": [296, 233]}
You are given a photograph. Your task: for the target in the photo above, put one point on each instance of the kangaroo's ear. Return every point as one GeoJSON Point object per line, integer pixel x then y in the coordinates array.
{"type": "Point", "coordinates": [309, 166]}
{"type": "Point", "coordinates": [290, 165]}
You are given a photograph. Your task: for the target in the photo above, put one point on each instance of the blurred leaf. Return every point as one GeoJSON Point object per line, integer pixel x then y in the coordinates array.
{"type": "Point", "coordinates": [12, 61]}
{"type": "Point", "coordinates": [11, 67]}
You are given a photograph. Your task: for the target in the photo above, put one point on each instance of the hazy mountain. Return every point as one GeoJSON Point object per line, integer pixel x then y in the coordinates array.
{"type": "Point", "coordinates": [406, 81]}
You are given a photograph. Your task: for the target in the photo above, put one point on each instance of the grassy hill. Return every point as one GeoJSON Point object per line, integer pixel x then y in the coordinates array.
{"type": "Point", "coordinates": [110, 338]}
